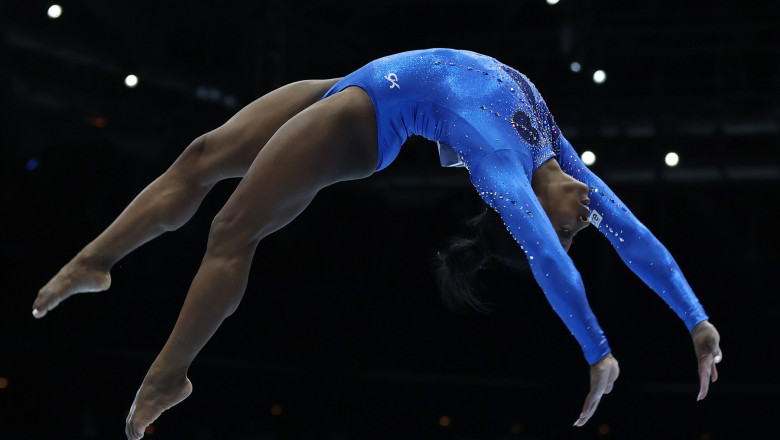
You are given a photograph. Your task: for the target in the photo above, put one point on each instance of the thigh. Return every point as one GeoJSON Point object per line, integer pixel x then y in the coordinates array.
{"type": "Point", "coordinates": [229, 150]}
{"type": "Point", "coordinates": [331, 141]}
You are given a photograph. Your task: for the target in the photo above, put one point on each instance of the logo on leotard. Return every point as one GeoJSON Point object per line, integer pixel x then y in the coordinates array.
{"type": "Point", "coordinates": [393, 78]}
{"type": "Point", "coordinates": [594, 218]}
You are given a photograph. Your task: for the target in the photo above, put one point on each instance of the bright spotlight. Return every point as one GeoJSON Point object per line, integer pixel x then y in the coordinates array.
{"type": "Point", "coordinates": [131, 81]}
{"type": "Point", "coordinates": [54, 11]}
{"type": "Point", "coordinates": [599, 76]}
{"type": "Point", "coordinates": [552, 2]}
{"type": "Point", "coordinates": [575, 66]}
{"type": "Point", "coordinates": [588, 158]}
{"type": "Point", "coordinates": [672, 159]}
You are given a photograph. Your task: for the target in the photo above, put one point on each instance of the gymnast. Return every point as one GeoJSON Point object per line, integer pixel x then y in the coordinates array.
{"type": "Point", "coordinates": [296, 140]}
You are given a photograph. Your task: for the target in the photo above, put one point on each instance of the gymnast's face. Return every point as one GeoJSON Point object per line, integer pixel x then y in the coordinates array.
{"type": "Point", "coordinates": [566, 203]}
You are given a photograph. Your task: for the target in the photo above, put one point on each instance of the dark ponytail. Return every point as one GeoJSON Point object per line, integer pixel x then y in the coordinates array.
{"type": "Point", "coordinates": [457, 265]}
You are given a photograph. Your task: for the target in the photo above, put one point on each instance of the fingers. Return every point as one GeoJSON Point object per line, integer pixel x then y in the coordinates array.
{"type": "Point", "coordinates": [598, 388]}
{"type": "Point", "coordinates": [602, 379]}
{"type": "Point", "coordinates": [613, 375]}
{"type": "Point", "coordinates": [591, 403]}
{"type": "Point", "coordinates": [705, 369]}
{"type": "Point", "coordinates": [708, 371]}
{"type": "Point", "coordinates": [714, 373]}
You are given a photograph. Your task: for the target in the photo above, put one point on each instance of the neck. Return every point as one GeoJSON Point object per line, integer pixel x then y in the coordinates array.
{"type": "Point", "coordinates": [547, 175]}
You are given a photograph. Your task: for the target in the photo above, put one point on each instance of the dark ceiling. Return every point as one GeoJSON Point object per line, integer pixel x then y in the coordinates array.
{"type": "Point", "coordinates": [703, 73]}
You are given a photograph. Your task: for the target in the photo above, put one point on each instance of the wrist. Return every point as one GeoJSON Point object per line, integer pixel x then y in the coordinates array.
{"type": "Point", "coordinates": [606, 358]}
{"type": "Point", "coordinates": [704, 324]}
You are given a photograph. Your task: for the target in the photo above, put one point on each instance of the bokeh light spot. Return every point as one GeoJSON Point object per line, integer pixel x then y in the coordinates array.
{"type": "Point", "coordinates": [131, 81]}
{"type": "Point", "coordinates": [672, 159]}
{"type": "Point", "coordinates": [588, 158]}
{"type": "Point", "coordinates": [55, 11]}
{"type": "Point", "coordinates": [32, 164]}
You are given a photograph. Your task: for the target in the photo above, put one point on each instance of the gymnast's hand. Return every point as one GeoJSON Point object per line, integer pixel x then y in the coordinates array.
{"type": "Point", "coordinates": [602, 377]}
{"type": "Point", "coordinates": [706, 342]}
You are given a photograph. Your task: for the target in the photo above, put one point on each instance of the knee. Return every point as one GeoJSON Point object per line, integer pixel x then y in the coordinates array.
{"type": "Point", "coordinates": [230, 235]}
{"type": "Point", "coordinates": [189, 165]}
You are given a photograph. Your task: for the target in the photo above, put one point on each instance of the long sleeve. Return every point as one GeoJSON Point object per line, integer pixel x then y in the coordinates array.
{"type": "Point", "coordinates": [634, 243]}
{"type": "Point", "coordinates": [499, 179]}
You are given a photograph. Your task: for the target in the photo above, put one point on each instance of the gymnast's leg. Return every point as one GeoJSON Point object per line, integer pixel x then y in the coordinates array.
{"type": "Point", "coordinates": [331, 141]}
{"type": "Point", "coordinates": [171, 200]}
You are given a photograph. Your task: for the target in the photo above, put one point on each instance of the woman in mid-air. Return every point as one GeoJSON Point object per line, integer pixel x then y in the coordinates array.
{"type": "Point", "coordinates": [298, 139]}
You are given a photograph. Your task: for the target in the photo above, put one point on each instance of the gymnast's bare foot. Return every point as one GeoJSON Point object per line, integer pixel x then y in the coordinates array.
{"type": "Point", "coordinates": [154, 397]}
{"type": "Point", "coordinates": [74, 277]}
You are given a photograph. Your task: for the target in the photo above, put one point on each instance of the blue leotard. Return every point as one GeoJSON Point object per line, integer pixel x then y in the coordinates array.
{"type": "Point", "coordinates": [490, 118]}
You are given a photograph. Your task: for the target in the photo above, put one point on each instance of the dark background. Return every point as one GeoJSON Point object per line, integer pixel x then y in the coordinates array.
{"type": "Point", "coordinates": [341, 326]}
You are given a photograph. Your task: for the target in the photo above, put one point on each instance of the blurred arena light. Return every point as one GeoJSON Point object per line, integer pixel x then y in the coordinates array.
{"type": "Point", "coordinates": [131, 81]}
{"type": "Point", "coordinates": [588, 158]}
{"type": "Point", "coordinates": [230, 101]}
{"type": "Point", "coordinates": [599, 76]}
{"type": "Point", "coordinates": [552, 2]}
{"type": "Point", "coordinates": [575, 66]}
{"type": "Point", "coordinates": [32, 164]}
{"type": "Point", "coordinates": [96, 121]}
{"type": "Point", "coordinates": [55, 11]}
{"type": "Point", "coordinates": [672, 159]}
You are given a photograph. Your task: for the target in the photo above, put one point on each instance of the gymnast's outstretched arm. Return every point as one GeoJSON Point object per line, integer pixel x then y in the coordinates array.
{"type": "Point", "coordinates": [509, 192]}
{"type": "Point", "coordinates": [644, 254]}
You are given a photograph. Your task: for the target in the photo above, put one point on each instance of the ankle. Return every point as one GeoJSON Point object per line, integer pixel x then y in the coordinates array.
{"type": "Point", "coordinates": [165, 376]}
{"type": "Point", "coordinates": [89, 259]}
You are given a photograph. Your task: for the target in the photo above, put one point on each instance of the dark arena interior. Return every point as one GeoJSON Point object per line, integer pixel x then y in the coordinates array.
{"type": "Point", "coordinates": [341, 334]}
